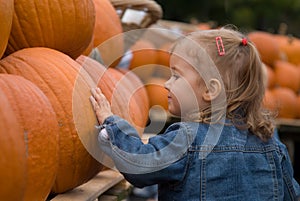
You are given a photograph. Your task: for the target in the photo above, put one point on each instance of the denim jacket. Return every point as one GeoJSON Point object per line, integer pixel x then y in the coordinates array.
{"type": "Point", "coordinates": [239, 167]}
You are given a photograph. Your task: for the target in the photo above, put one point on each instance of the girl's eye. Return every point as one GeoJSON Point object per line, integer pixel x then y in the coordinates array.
{"type": "Point", "coordinates": [175, 76]}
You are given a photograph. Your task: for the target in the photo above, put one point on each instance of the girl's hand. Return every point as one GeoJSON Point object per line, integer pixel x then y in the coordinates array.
{"type": "Point", "coordinates": [100, 104]}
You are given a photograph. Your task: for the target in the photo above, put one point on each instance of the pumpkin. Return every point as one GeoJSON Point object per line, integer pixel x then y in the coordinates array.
{"type": "Point", "coordinates": [108, 37]}
{"type": "Point", "coordinates": [285, 101]}
{"type": "Point", "coordinates": [287, 75]}
{"type": "Point", "coordinates": [13, 152]}
{"type": "Point", "coordinates": [118, 90]}
{"type": "Point", "coordinates": [143, 53]}
{"type": "Point", "coordinates": [6, 16]}
{"type": "Point", "coordinates": [137, 100]}
{"type": "Point", "coordinates": [157, 93]}
{"type": "Point", "coordinates": [266, 45]}
{"type": "Point", "coordinates": [64, 25]}
{"type": "Point", "coordinates": [38, 122]}
{"type": "Point", "coordinates": [290, 46]}
{"type": "Point", "coordinates": [59, 77]}
{"type": "Point", "coordinates": [271, 79]}
{"type": "Point", "coordinates": [269, 101]}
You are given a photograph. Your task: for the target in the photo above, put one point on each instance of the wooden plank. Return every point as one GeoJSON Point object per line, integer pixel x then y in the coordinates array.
{"type": "Point", "coordinates": [92, 189]}
{"type": "Point", "coordinates": [288, 122]}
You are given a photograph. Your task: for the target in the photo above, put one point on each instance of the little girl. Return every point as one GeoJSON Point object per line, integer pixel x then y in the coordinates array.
{"type": "Point", "coordinates": [223, 149]}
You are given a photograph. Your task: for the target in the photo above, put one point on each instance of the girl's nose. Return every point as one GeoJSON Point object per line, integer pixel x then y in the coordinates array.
{"type": "Point", "coordinates": [167, 85]}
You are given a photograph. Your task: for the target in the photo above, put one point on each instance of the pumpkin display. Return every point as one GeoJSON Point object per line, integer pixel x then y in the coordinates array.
{"type": "Point", "coordinates": [266, 45]}
{"type": "Point", "coordinates": [59, 77]}
{"type": "Point", "coordinates": [157, 93]}
{"type": "Point", "coordinates": [64, 25]}
{"type": "Point", "coordinates": [39, 133]}
{"type": "Point", "coordinates": [6, 16]}
{"type": "Point", "coordinates": [107, 37]}
{"type": "Point", "coordinates": [13, 164]}
{"type": "Point", "coordinates": [118, 90]}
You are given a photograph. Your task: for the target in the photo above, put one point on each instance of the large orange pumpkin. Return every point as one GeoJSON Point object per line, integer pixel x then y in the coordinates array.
{"type": "Point", "coordinates": [39, 131]}
{"type": "Point", "coordinates": [266, 45]}
{"type": "Point", "coordinates": [287, 75]}
{"type": "Point", "coordinates": [58, 76]}
{"type": "Point", "coordinates": [139, 92]}
{"type": "Point", "coordinates": [64, 25]}
{"type": "Point", "coordinates": [6, 16]}
{"type": "Point", "coordinates": [136, 100]}
{"type": "Point", "coordinates": [13, 153]}
{"type": "Point", "coordinates": [118, 90]}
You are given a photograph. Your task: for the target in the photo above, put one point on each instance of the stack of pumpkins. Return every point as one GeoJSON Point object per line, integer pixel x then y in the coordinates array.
{"type": "Point", "coordinates": [45, 82]}
{"type": "Point", "coordinates": [281, 57]}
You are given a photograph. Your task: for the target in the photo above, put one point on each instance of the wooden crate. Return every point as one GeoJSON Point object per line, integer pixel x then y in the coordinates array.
{"type": "Point", "coordinates": [107, 185]}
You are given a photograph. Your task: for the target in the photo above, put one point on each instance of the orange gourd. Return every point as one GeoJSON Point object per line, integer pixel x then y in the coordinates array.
{"type": "Point", "coordinates": [269, 101]}
{"type": "Point", "coordinates": [287, 75]}
{"type": "Point", "coordinates": [6, 16]}
{"type": "Point", "coordinates": [136, 100]}
{"type": "Point", "coordinates": [59, 77]}
{"type": "Point", "coordinates": [285, 102]}
{"type": "Point", "coordinates": [143, 53]}
{"type": "Point", "coordinates": [13, 153]}
{"type": "Point", "coordinates": [39, 126]}
{"type": "Point", "coordinates": [266, 45]}
{"type": "Point", "coordinates": [64, 25]}
{"type": "Point", "coordinates": [157, 93]}
{"type": "Point", "coordinates": [119, 91]}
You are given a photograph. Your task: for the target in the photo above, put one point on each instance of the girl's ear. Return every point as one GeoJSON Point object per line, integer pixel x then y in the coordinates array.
{"type": "Point", "coordinates": [213, 90]}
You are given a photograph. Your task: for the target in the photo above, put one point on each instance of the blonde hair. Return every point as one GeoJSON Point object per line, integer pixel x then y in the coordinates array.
{"type": "Point", "coordinates": [242, 74]}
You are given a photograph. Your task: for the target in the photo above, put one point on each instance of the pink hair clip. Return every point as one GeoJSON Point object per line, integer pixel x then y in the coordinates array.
{"type": "Point", "coordinates": [220, 46]}
{"type": "Point", "coordinates": [244, 41]}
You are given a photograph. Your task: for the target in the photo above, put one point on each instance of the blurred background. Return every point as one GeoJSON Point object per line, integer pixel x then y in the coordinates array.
{"type": "Point", "coordinates": [281, 16]}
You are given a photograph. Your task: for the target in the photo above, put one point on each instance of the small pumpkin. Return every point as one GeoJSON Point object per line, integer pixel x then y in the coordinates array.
{"type": "Point", "coordinates": [266, 45]}
{"type": "Point", "coordinates": [143, 53]}
{"type": "Point", "coordinates": [285, 101]}
{"type": "Point", "coordinates": [64, 25]}
{"type": "Point", "coordinates": [39, 132]}
{"type": "Point", "coordinates": [13, 164]}
{"type": "Point", "coordinates": [287, 75]}
{"type": "Point", "coordinates": [6, 16]}
{"type": "Point", "coordinates": [59, 77]}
